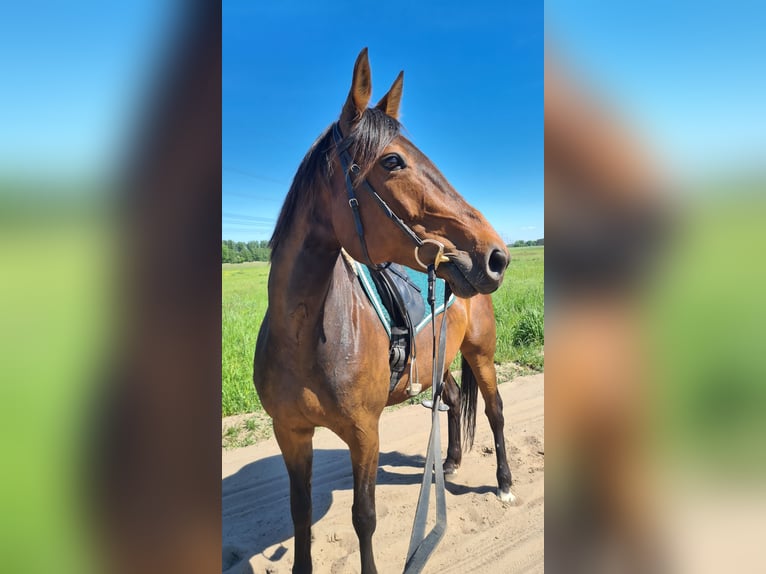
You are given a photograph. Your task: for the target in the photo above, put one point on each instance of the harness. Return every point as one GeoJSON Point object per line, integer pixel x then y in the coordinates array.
{"type": "Point", "coordinates": [398, 296]}
{"type": "Point", "coordinates": [395, 290]}
{"type": "Point", "coordinates": [421, 545]}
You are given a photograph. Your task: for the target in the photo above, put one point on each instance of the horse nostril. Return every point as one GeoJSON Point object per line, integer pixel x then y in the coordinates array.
{"type": "Point", "coordinates": [497, 262]}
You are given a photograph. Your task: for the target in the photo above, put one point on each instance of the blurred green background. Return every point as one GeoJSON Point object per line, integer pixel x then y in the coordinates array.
{"type": "Point", "coordinates": [57, 317]}
{"type": "Point", "coordinates": [706, 325]}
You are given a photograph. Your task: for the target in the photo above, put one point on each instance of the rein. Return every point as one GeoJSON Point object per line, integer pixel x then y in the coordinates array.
{"type": "Point", "coordinates": [421, 545]}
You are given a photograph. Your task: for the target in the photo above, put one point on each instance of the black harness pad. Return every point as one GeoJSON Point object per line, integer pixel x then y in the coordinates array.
{"type": "Point", "coordinates": [404, 303]}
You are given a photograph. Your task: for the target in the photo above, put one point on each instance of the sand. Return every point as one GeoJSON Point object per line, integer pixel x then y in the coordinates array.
{"type": "Point", "coordinates": [483, 533]}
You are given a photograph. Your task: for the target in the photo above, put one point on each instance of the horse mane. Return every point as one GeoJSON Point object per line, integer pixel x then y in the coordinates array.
{"type": "Point", "coordinates": [370, 135]}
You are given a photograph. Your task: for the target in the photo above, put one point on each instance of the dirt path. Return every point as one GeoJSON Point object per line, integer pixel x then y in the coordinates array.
{"type": "Point", "coordinates": [483, 534]}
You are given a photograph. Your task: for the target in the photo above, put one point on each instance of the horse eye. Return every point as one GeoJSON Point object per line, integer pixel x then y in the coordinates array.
{"type": "Point", "coordinates": [392, 162]}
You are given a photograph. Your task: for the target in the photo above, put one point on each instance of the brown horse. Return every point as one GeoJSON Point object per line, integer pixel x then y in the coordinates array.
{"type": "Point", "coordinates": [607, 219]}
{"type": "Point", "coordinates": [322, 355]}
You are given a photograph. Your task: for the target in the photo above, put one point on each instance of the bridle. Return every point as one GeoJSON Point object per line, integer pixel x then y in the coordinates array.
{"type": "Point", "coordinates": [350, 169]}
{"type": "Point", "coordinates": [421, 545]}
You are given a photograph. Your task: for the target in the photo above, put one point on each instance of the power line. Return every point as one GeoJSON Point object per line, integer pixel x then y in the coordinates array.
{"type": "Point", "coordinates": [253, 197]}
{"type": "Point", "coordinates": [253, 175]}
{"type": "Point", "coordinates": [248, 217]}
{"type": "Point", "coordinates": [249, 225]}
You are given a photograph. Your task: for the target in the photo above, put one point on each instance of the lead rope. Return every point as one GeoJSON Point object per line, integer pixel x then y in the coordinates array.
{"type": "Point", "coordinates": [422, 545]}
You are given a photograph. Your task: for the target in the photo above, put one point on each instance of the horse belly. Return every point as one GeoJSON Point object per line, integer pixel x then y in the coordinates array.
{"type": "Point", "coordinates": [456, 328]}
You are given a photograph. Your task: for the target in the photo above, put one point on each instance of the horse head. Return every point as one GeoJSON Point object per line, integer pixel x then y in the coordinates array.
{"type": "Point", "coordinates": [436, 225]}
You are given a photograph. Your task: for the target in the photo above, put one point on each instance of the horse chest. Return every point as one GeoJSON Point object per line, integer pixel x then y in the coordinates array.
{"type": "Point", "coordinates": [351, 344]}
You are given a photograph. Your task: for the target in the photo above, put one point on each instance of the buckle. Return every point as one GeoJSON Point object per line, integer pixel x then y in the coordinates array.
{"type": "Point", "coordinates": [440, 257]}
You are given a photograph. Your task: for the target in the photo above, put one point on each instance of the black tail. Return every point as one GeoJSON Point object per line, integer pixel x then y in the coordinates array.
{"type": "Point", "coordinates": [468, 394]}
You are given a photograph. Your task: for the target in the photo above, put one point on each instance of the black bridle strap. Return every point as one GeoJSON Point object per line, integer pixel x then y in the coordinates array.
{"type": "Point", "coordinates": [391, 215]}
{"type": "Point", "coordinates": [349, 168]}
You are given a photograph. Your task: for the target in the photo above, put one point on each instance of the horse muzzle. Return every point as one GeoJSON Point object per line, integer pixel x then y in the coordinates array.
{"type": "Point", "coordinates": [469, 275]}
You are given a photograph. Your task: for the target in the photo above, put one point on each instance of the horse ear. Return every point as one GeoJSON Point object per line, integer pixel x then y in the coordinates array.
{"type": "Point", "coordinates": [390, 102]}
{"type": "Point", "coordinates": [359, 95]}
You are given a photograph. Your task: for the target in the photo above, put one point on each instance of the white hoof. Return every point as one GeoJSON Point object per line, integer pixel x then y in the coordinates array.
{"type": "Point", "coordinates": [508, 497]}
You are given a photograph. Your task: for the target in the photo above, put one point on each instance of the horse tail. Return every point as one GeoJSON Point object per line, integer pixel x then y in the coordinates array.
{"type": "Point", "coordinates": [468, 394]}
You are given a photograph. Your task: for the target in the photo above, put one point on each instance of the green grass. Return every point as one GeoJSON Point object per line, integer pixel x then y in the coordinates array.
{"type": "Point", "coordinates": [244, 302]}
{"type": "Point", "coordinates": [57, 314]}
{"type": "Point", "coordinates": [705, 322]}
{"type": "Point", "coordinates": [518, 310]}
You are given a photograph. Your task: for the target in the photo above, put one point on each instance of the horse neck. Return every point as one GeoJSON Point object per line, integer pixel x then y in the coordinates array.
{"type": "Point", "coordinates": [302, 270]}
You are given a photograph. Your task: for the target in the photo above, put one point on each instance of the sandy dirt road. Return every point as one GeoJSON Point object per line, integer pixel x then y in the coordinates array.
{"type": "Point", "coordinates": [483, 534]}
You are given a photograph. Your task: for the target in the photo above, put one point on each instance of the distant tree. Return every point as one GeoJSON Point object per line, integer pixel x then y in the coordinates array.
{"type": "Point", "coordinates": [241, 252]}
{"type": "Point", "coordinates": [519, 243]}
{"type": "Point", "coordinates": [262, 254]}
{"type": "Point", "coordinates": [540, 241]}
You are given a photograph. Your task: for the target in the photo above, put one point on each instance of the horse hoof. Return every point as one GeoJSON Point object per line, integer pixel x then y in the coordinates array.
{"type": "Point", "coordinates": [508, 496]}
{"type": "Point", "coordinates": [450, 468]}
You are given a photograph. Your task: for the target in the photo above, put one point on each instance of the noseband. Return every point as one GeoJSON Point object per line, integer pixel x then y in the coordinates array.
{"type": "Point", "coordinates": [350, 168]}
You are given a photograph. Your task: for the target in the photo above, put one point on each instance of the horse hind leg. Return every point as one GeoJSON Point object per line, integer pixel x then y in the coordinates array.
{"type": "Point", "coordinates": [451, 396]}
{"type": "Point", "coordinates": [298, 453]}
{"type": "Point", "coordinates": [479, 370]}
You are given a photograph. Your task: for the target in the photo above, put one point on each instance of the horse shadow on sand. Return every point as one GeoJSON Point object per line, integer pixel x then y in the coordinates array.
{"type": "Point", "coordinates": [256, 502]}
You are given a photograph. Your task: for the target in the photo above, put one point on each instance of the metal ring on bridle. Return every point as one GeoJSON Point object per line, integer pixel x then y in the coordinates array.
{"type": "Point", "coordinates": [440, 257]}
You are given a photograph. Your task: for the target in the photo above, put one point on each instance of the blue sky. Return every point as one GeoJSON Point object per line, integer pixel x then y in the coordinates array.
{"type": "Point", "coordinates": [473, 98]}
{"type": "Point", "coordinates": [74, 77]}
{"type": "Point", "coordinates": [689, 76]}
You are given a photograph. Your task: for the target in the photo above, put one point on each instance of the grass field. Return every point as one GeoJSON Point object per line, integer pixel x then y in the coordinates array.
{"type": "Point", "coordinates": [705, 324]}
{"type": "Point", "coordinates": [518, 310]}
{"type": "Point", "coordinates": [56, 335]}
{"type": "Point", "coordinates": [244, 302]}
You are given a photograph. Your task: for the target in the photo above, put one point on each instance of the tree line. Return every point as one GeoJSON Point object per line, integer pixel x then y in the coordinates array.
{"type": "Point", "coordinates": [240, 252]}
{"type": "Point", "coordinates": [531, 243]}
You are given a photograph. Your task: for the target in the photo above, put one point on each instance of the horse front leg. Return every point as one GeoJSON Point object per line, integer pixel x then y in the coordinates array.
{"type": "Point", "coordinates": [364, 447]}
{"type": "Point", "coordinates": [298, 453]}
{"type": "Point", "coordinates": [451, 396]}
